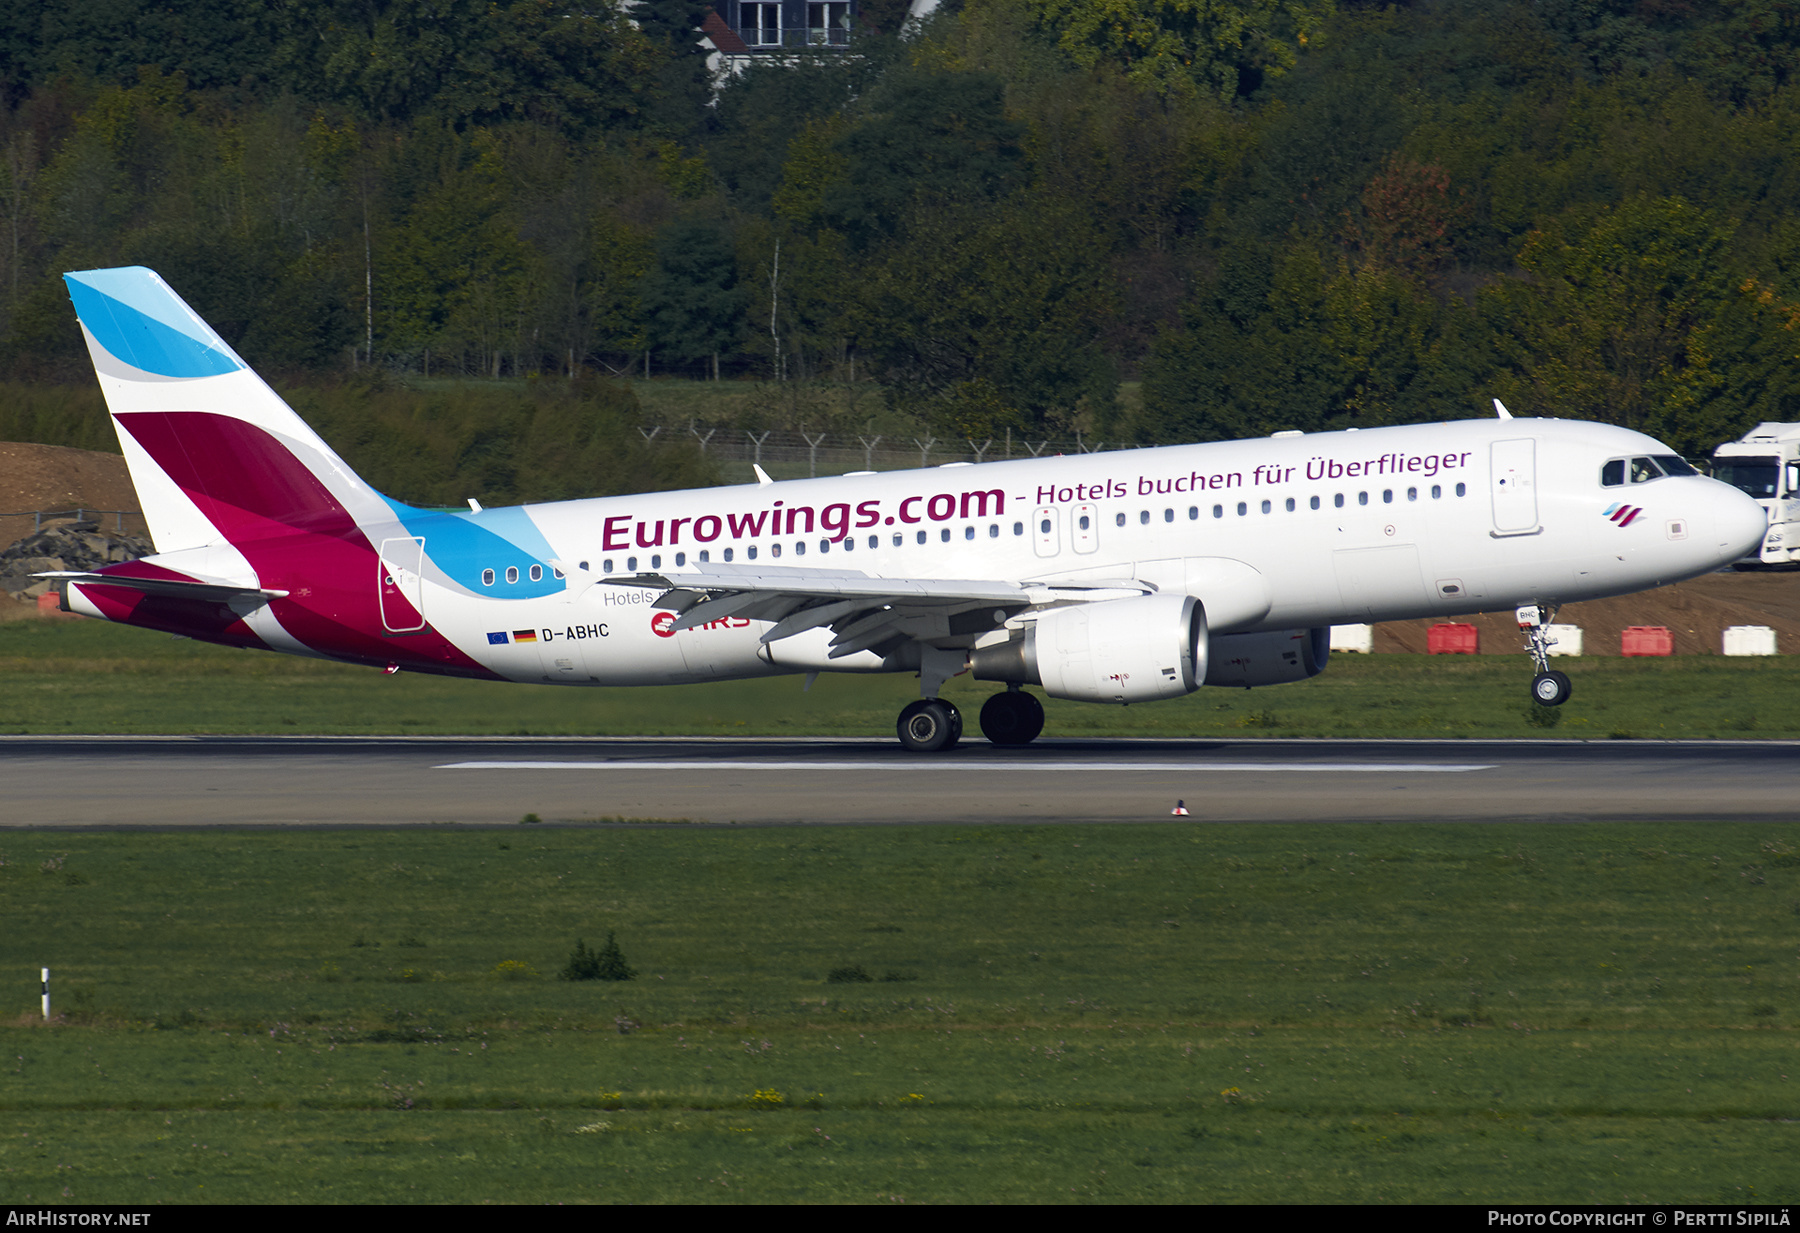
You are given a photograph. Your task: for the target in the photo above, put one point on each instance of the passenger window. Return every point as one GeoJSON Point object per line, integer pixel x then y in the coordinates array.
{"type": "Point", "coordinates": [944, 535]}
{"type": "Point", "coordinates": [1613, 473]}
{"type": "Point", "coordinates": [630, 564]}
{"type": "Point", "coordinates": [1387, 496]}
{"type": "Point", "coordinates": [968, 532]}
{"type": "Point", "coordinates": [1143, 518]}
{"type": "Point", "coordinates": [1462, 490]}
{"type": "Point", "coordinates": [655, 562]}
{"type": "Point", "coordinates": [728, 553]}
{"type": "Point", "coordinates": [1337, 500]}
{"type": "Point", "coordinates": [825, 545]}
{"type": "Point", "coordinates": [800, 548]}
{"type": "Point", "coordinates": [1084, 521]}
{"type": "Point", "coordinates": [1242, 509]}
{"type": "Point", "coordinates": [606, 565]}
{"type": "Point", "coordinates": [556, 573]}
{"type": "Point", "coordinates": [1168, 515]}
{"type": "Point", "coordinates": [1290, 505]}
{"type": "Point", "coordinates": [1412, 494]}
{"type": "Point", "coordinates": [680, 559]}
{"type": "Point", "coordinates": [1267, 507]}
{"type": "Point", "coordinates": [1044, 527]}
{"type": "Point", "coordinates": [993, 530]}
{"type": "Point", "coordinates": [1193, 513]}
{"type": "Point", "coordinates": [1437, 491]}
{"type": "Point", "coordinates": [1018, 528]}
{"type": "Point", "coordinates": [750, 553]}
{"type": "Point", "coordinates": [1118, 519]}
{"type": "Point", "coordinates": [1218, 511]}
{"type": "Point", "coordinates": [537, 573]}
{"type": "Point", "coordinates": [705, 555]}
{"type": "Point", "coordinates": [487, 577]}
{"type": "Point", "coordinates": [774, 550]}
{"type": "Point", "coordinates": [512, 573]}
{"type": "Point", "coordinates": [921, 537]}
{"type": "Point", "coordinates": [1362, 498]}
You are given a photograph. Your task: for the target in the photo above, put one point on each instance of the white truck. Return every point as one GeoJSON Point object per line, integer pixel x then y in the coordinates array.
{"type": "Point", "coordinates": [1765, 463]}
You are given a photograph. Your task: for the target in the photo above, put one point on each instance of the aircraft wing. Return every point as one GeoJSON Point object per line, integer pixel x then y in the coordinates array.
{"type": "Point", "coordinates": [863, 612]}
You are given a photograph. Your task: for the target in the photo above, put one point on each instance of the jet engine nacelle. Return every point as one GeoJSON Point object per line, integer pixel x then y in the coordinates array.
{"type": "Point", "coordinates": [1247, 660]}
{"type": "Point", "coordinates": [1117, 650]}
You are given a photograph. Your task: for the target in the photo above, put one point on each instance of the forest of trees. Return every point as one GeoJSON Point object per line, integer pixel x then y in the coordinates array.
{"type": "Point", "coordinates": [1267, 214]}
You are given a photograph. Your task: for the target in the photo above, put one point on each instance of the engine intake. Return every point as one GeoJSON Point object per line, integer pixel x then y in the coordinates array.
{"type": "Point", "coordinates": [1119, 650]}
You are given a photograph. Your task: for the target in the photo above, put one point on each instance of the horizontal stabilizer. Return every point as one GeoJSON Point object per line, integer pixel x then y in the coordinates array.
{"type": "Point", "coordinates": [216, 592]}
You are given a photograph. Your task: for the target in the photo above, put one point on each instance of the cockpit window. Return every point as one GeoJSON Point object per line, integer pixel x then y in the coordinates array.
{"type": "Point", "coordinates": [1613, 473]}
{"type": "Point", "coordinates": [1643, 470]}
{"type": "Point", "coordinates": [1674, 465]}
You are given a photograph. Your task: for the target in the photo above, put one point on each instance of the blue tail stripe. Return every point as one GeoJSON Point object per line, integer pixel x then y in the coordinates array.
{"type": "Point", "coordinates": [140, 321]}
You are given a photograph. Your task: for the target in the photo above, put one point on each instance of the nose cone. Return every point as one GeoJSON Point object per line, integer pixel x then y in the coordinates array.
{"type": "Point", "coordinates": [1738, 524]}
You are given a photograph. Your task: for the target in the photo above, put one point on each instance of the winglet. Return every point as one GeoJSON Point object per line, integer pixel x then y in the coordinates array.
{"type": "Point", "coordinates": [1501, 411]}
{"type": "Point", "coordinates": [762, 476]}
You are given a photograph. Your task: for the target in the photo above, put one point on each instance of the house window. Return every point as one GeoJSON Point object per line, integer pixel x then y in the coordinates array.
{"type": "Point", "coordinates": [828, 24]}
{"type": "Point", "coordinates": [761, 24]}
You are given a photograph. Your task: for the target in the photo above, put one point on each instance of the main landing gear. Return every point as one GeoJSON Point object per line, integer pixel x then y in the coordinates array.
{"type": "Point", "coordinates": [1012, 718]}
{"type": "Point", "coordinates": [932, 725]}
{"type": "Point", "coordinates": [1547, 688]}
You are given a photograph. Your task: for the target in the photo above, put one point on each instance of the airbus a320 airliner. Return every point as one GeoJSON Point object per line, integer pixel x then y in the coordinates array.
{"type": "Point", "coordinates": [1114, 577]}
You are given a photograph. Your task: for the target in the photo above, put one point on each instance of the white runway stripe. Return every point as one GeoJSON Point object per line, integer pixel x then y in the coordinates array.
{"type": "Point", "coordinates": [1274, 768]}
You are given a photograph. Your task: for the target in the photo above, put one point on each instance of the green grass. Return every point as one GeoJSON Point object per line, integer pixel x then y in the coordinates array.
{"type": "Point", "coordinates": [1576, 1013]}
{"type": "Point", "coordinates": [88, 676]}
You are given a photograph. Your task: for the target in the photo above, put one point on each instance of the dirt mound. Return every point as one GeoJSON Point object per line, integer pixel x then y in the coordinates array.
{"type": "Point", "coordinates": [1697, 611]}
{"type": "Point", "coordinates": [56, 478]}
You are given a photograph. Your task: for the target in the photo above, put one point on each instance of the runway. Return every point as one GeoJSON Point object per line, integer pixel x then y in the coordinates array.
{"type": "Point", "coordinates": [163, 782]}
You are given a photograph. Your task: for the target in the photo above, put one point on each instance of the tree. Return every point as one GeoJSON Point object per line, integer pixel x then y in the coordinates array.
{"type": "Point", "coordinates": [1623, 319]}
{"type": "Point", "coordinates": [693, 305]}
{"type": "Point", "coordinates": [989, 316]}
{"type": "Point", "coordinates": [1224, 47]}
{"type": "Point", "coordinates": [925, 134]}
{"type": "Point", "coordinates": [607, 963]}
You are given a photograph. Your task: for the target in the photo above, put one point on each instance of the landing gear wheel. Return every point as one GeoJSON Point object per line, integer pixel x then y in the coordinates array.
{"type": "Point", "coordinates": [1012, 718]}
{"type": "Point", "coordinates": [1550, 689]}
{"type": "Point", "coordinates": [930, 725]}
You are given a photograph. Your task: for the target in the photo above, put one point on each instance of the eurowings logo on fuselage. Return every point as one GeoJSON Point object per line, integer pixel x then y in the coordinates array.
{"type": "Point", "coordinates": [1622, 514]}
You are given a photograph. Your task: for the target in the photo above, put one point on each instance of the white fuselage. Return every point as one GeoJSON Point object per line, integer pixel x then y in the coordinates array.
{"type": "Point", "coordinates": [1280, 533]}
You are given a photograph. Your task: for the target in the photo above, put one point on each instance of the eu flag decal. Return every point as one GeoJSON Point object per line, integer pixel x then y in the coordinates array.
{"type": "Point", "coordinates": [498, 639]}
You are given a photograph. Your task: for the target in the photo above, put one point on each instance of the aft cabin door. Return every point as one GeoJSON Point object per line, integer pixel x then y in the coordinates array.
{"type": "Point", "coordinates": [401, 584]}
{"type": "Point", "coordinates": [1514, 484]}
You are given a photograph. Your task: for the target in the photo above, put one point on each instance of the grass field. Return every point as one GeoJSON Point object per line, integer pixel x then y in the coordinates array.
{"type": "Point", "coordinates": [1157, 1013]}
{"type": "Point", "coordinates": [88, 676]}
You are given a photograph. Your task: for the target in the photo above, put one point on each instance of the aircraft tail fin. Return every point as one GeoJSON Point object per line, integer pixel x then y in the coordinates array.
{"type": "Point", "coordinates": [215, 454]}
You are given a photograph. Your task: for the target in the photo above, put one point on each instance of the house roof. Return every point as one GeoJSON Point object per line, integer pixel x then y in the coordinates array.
{"type": "Point", "coordinates": [723, 36]}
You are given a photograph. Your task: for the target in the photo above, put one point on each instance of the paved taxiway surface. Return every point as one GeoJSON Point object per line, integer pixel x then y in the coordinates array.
{"type": "Point", "coordinates": [238, 781]}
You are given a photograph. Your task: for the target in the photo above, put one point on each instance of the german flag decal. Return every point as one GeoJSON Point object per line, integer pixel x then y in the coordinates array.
{"type": "Point", "coordinates": [1623, 515]}
{"type": "Point", "coordinates": [524, 635]}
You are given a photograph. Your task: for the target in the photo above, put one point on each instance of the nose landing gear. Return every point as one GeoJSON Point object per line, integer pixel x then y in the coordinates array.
{"type": "Point", "coordinates": [1548, 688]}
